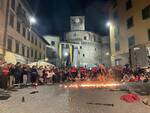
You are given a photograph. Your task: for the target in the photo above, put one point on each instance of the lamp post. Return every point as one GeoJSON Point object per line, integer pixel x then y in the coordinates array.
{"type": "Point", "coordinates": [32, 21]}
{"type": "Point", "coordinates": [108, 25]}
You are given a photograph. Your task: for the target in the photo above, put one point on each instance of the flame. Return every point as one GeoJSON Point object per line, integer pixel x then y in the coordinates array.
{"type": "Point", "coordinates": [91, 84]}
{"type": "Point", "coordinates": [102, 81]}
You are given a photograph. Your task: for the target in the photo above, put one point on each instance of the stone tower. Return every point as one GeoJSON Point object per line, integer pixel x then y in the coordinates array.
{"type": "Point", "coordinates": [77, 23]}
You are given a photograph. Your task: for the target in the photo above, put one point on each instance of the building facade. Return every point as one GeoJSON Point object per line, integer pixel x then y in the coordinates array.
{"type": "Point", "coordinates": [18, 42]}
{"type": "Point", "coordinates": [85, 46]}
{"type": "Point", "coordinates": [130, 25]}
{"type": "Point", "coordinates": [105, 54]}
{"type": "Point", "coordinates": [89, 46]}
{"type": "Point", "coordinates": [52, 49]}
{"type": "Point", "coordinates": [69, 54]}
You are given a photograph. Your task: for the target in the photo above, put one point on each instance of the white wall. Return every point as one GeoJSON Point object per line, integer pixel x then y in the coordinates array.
{"type": "Point", "coordinates": [91, 47]}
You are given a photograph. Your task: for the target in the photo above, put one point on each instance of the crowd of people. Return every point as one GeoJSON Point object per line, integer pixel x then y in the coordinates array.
{"type": "Point", "coordinates": [136, 74]}
{"type": "Point", "coordinates": [20, 75]}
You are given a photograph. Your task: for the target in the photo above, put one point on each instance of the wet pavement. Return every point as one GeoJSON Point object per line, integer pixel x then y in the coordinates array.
{"type": "Point", "coordinates": [56, 99]}
{"type": "Point", "coordinates": [140, 88]}
{"type": "Point", "coordinates": [4, 95]}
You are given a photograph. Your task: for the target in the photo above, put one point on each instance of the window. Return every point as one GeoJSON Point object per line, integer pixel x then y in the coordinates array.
{"type": "Point", "coordinates": [52, 43]}
{"type": "Point", "coordinates": [40, 55]}
{"type": "Point", "coordinates": [24, 31]}
{"type": "Point", "coordinates": [148, 34]}
{"type": "Point", "coordinates": [35, 54]}
{"type": "Point", "coordinates": [35, 41]}
{"type": "Point", "coordinates": [129, 22]}
{"type": "Point", "coordinates": [23, 12]}
{"type": "Point", "coordinates": [40, 44]}
{"type": "Point", "coordinates": [31, 52]}
{"type": "Point", "coordinates": [11, 19]}
{"type": "Point", "coordinates": [44, 47]}
{"type": "Point", "coordinates": [85, 38]}
{"type": "Point", "coordinates": [44, 56]}
{"type": "Point", "coordinates": [83, 55]}
{"type": "Point", "coordinates": [23, 50]}
{"type": "Point", "coordinates": [94, 39]}
{"type": "Point", "coordinates": [19, 8]}
{"type": "Point", "coordinates": [117, 46]}
{"type": "Point", "coordinates": [128, 4]}
{"type": "Point", "coordinates": [9, 44]}
{"type": "Point", "coordinates": [131, 41]}
{"type": "Point", "coordinates": [18, 26]}
{"type": "Point", "coordinates": [28, 52]}
{"type": "Point", "coordinates": [115, 16]}
{"type": "Point", "coordinates": [13, 4]}
{"type": "Point", "coordinates": [2, 4]}
{"type": "Point", "coordinates": [28, 35]}
{"type": "Point", "coordinates": [116, 32]}
{"type": "Point", "coordinates": [17, 47]}
{"type": "Point", "coordinates": [146, 12]}
{"type": "Point", "coordinates": [32, 39]}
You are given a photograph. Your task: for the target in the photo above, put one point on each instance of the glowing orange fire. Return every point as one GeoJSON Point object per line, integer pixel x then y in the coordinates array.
{"type": "Point", "coordinates": [101, 82]}
{"type": "Point", "coordinates": [91, 84]}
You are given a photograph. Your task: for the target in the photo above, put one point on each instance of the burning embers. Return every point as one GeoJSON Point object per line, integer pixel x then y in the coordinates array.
{"type": "Point", "coordinates": [91, 84]}
{"type": "Point", "coordinates": [102, 81]}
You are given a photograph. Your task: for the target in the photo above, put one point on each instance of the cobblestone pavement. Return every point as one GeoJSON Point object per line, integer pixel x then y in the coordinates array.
{"type": "Point", "coordinates": [55, 99]}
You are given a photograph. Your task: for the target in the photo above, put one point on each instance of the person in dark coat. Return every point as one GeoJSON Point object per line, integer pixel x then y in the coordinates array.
{"type": "Point", "coordinates": [11, 73]}
{"type": "Point", "coordinates": [24, 76]}
{"type": "Point", "coordinates": [34, 75]}
{"type": "Point", "coordinates": [17, 73]}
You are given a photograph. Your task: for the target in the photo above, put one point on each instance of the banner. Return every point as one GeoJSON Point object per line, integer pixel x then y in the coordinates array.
{"type": "Point", "coordinates": [60, 52]}
{"type": "Point", "coordinates": [71, 55]}
{"type": "Point", "coordinates": [72, 52]}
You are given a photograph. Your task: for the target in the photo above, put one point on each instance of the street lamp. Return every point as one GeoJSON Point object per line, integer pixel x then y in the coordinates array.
{"type": "Point", "coordinates": [66, 54]}
{"type": "Point", "coordinates": [108, 24]}
{"type": "Point", "coordinates": [32, 20]}
{"type": "Point", "coordinates": [107, 54]}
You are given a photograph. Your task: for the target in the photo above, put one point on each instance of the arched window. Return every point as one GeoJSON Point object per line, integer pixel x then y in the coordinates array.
{"type": "Point", "coordinates": [85, 38]}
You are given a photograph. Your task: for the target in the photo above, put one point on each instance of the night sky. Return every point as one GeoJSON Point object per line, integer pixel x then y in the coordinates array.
{"type": "Point", "coordinates": [54, 15]}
